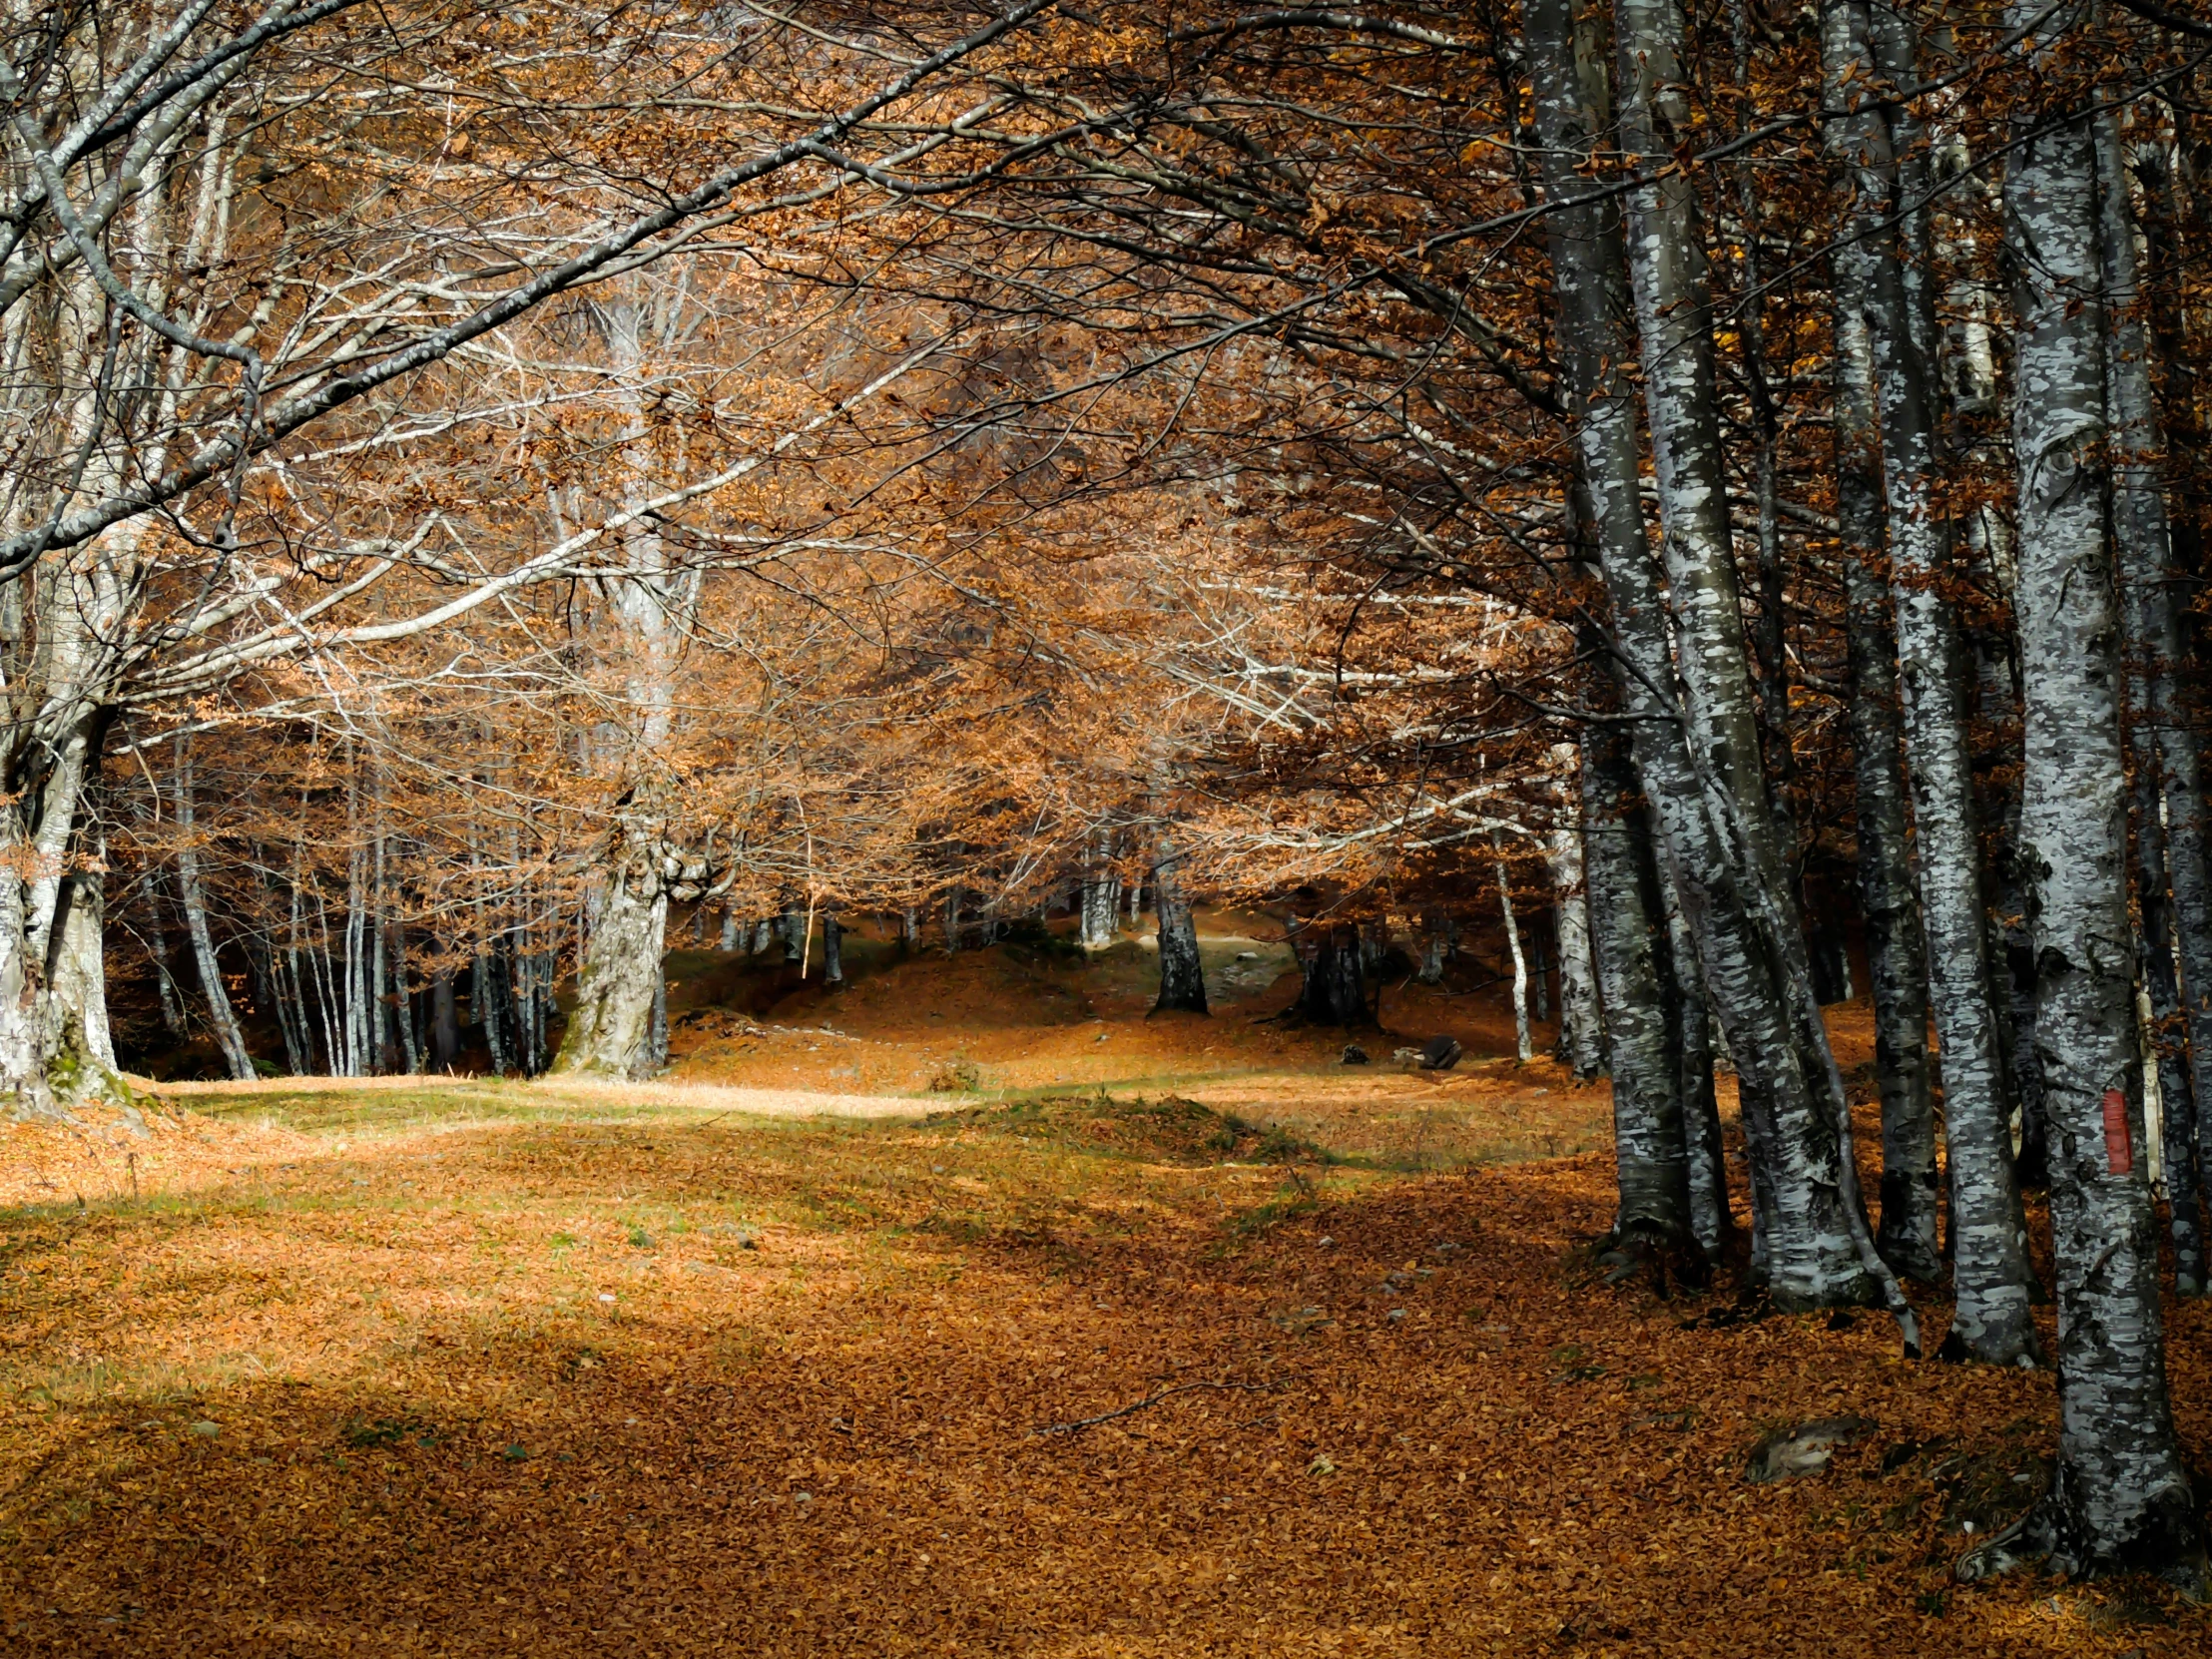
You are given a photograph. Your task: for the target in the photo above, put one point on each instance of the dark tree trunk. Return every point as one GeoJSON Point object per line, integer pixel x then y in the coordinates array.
{"type": "Point", "coordinates": [1629, 944]}
{"type": "Point", "coordinates": [1896, 961]}
{"type": "Point", "coordinates": [445, 1026]}
{"type": "Point", "coordinates": [1330, 988]}
{"type": "Point", "coordinates": [2169, 766]}
{"type": "Point", "coordinates": [1182, 977]}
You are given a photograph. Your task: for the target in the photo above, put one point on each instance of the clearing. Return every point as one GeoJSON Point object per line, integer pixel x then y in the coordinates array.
{"type": "Point", "coordinates": [1190, 1341]}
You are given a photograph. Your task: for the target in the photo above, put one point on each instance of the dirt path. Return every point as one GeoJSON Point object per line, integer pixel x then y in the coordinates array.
{"type": "Point", "coordinates": [556, 1091]}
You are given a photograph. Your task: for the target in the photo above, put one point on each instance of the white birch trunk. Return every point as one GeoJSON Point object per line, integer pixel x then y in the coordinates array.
{"type": "Point", "coordinates": [2120, 1497]}
{"type": "Point", "coordinates": [1524, 1046]}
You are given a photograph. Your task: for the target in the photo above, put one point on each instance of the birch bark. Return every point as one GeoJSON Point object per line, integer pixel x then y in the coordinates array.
{"type": "Point", "coordinates": [1182, 977]}
{"type": "Point", "coordinates": [1581, 1037]}
{"type": "Point", "coordinates": [1697, 751]}
{"type": "Point", "coordinates": [1908, 1236]}
{"type": "Point", "coordinates": [1882, 151]}
{"type": "Point", "coordinates": [221, 1016]}
{"type": "Point", "coordinates": [1524, 1047]}
{"type": "Point", "coordinates": [1628, 937]}
{"type": "Point", "coordinates": [2174, 884]}
{"type": "Point", "coordinates": [2120, 1497]}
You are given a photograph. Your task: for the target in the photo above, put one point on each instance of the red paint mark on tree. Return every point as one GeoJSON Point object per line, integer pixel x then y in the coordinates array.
{"type": "Point", "coordinates": [2119, 1151]}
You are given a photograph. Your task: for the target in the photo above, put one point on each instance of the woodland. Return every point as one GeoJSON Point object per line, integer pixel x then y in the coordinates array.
{"type": "Point", "coordinates": [917, 826]}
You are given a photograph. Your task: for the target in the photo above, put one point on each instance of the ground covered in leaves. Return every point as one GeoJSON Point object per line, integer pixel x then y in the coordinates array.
{"type": "Point", "coordinates": [474, 1369]}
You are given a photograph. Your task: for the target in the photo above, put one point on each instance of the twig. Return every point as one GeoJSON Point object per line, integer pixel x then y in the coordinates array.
{"type": "Point", "coordinates": [1149, 1400]}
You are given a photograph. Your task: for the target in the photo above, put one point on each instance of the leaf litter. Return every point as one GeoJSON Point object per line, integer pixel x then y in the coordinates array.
{"type": "Point", "coordinates": [996, 1381]}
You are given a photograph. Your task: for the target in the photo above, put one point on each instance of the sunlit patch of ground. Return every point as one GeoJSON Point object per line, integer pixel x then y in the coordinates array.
{"type": "Point", "coordinates": [477, 1368]}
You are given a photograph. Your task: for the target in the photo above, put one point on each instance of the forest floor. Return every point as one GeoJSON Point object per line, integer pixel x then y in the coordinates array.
{"type": "Point", "coordinates": [1192, 1340]}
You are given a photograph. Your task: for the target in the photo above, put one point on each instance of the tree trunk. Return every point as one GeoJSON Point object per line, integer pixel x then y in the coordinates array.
{"type": "Point", "coordinates": [1910, 1199]}
{"type": "Point", "coordinates": [1697, 757]}
{"type": "Point", "coordinates": [165, 982]}
{"type": "Point", "coordinates": [445, 1024]}
{"type": "Point", "coordinates": [1330, 990]}
{"type": "Point", "coordinates": [80, 1051]}
{"type": "Point", "coordinates": [2121, 1499]}
{"type": "Point", "coordinates": [1581, 1037]}
{"type": "Point", "coordinates": [1182, 977]}
{"type": "Point", "coordinates": [832, 951]}
{"type": "Point", "coordinates": [1101, 897]}
{"type": "Point", "coordinates": [221, 1016]}
{"type": "Point", "coordinates": [612, 1030]}
{"type": "Point", "coordinates": [1628, 938]}
{"type": "Point", "coordinates": [729, 942]}
{"type": "Point", "coordinates": [1524, 1047]}
{"type": "Point", "coordinates": [2168, 762]}
{"type": "Point", "coordinates": [1991, 1280]}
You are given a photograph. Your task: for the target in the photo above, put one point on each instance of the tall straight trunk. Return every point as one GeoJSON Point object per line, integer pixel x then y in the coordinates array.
{"type": "Point", "coordinates": [221, 1017]}
{"type": "Point", "coordinates": [1101, 895]}
{"type": "Point", "coordinates": [1581, 1037]}
{"type": "Point", "coordinates": [951, 919]}
{"type": "Point", "coordinates": [1682, 986]}
{"type": "Point", "coordinates": [383, 1051]}
{"type": "Point", "coordinates": [1697, 752]}
{"type": "Point", "coordinates": [445, 1024]}
{"type": "Point", "coordinates": [792, 925]}
{"type": "Point", "coordinates": [360, 1056]}
{"type": "Point", "coordinates": [1629, 940]}
{"type": "Point", "coordinates": [832, 951]}
{"type": "Point", "coordinates": [402, 999]}
{"type": "Point", "coordinates": [1182, 975]}
{"type": "Point", "coordinates": [729, 940]}
{"type": "Point", "coordinates": [156, 942]}
{"type": "Point", "coordinates": [2161, 995]}
{"type": "Point", "coordinates": [1435, 941]}
{"type": "Point", "coordinates": [292, 1015]}
{"type": "Point", "coordinates": [1992, 1281]}
{"type": "Point", "coordinates": [1524, 1047]}
{"type": "Point", "coordinates": [909, 928]}
{"type": "Point", "coordinates": [489, 1003]}
{"type": "Point", "coordinates": [1539, 981]}
{"type": "Point", "coordinates": [2121, 1498]}
{"type": "Point", "coordinates": [2169, 763]}
{"type": "Point", "coordinates": [1896, 962]}
{"type": "Point", "coordinates": [764, 935]}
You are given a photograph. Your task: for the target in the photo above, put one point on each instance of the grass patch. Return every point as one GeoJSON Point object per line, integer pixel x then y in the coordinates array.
{"type": "Point", "coordinates": [1170, 1129]}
